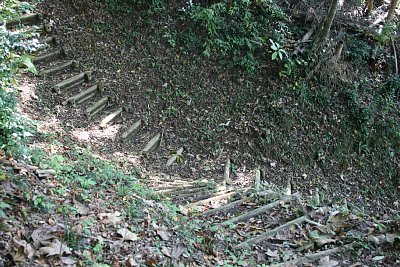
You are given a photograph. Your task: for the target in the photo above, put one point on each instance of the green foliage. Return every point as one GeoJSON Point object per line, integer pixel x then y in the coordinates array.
{"type": "Point", "coordinates": [12, 8]}
{"type": "Point", "coordinates": [236, 31]}
{"type": "Point", "coordinates": [358, 51]}
{"type": "Point", "coordinates": [388, 32]}
{"type": "Point", "coordinates": [26, 61]}
{"type": "Point", "coordinates": [3, 206]}
{"type": "Point", "coordinates": [12, 126]}
{"type": "Point", "coordinates": [376, 124]}
{"type": "Point", "coordinates": [278, 51]}
{"type": "Point", "coordinates": [129, 6]}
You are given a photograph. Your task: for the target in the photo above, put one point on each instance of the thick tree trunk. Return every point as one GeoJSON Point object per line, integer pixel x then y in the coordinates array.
{"type": "Point", "coordinates": [323, 33]}
{"type": "Point", "coordinates": [392, 8]}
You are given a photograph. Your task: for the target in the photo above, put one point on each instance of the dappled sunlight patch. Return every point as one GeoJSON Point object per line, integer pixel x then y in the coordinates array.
{"type": "Point", "coordinates": [27, 91]}
{"type": "Point", "coordinates": [244, 177]}
{"type": "Point", "coordinates": [95, 133]}
{"type": "Point", "coordinates": [50, 125]}
{"type": "Point", "coordinates": [81, 135]}
{"type": "Point", "coordinates": [106, 133]}
{"type": "Point", "coordinates": [132, 159]}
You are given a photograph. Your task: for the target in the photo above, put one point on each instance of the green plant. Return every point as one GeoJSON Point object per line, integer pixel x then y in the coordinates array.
{"type": "Point", "coordinates": [13, 127]}
{"type": "Point", "coordinates": [41, 203]}
{"type": "Point", "coordinates": [278, 51]}
{"type": "Point", "coordinates": [3, 206]}
{"type": "Point", "coordinates": [357, 51]}
{"type": "Point", "coordinates": [236, 31]}
{"type": "Point", "coordinates": [129, 6]}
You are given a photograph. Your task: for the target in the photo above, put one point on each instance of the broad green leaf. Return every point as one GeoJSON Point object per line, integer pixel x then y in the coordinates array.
{"type": "Point", "coordinates": [27, 62]}
{"type": "Point", "coordinates": [274, 55]}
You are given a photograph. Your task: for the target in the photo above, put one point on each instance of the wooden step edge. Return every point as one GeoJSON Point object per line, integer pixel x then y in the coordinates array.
{"type": "Point", "coordinates": [110, 118]}
{"type": "Point", "coordinates": [131, 131]}
{"type": "Point", "coordinates": [79, 78]}
{"type": "Point", "coordinates": [152, 144]}
{"type": "Point", "coordinates": [258, 211]}
{"type": "Point", "coordinates": [270, 233]}
{"type": "Point", "coordinates": [24, 19]}
{"type": "Point", "coordinates": [85, 94]}
{"type": "Point", "coordinates": [73, 64]}
{"type": "Point", "coordinates": [314, 256]}
{"type": "Point", "coordinates": [96, 107]}
{"type": "Point", "coordinates": [49, 56]}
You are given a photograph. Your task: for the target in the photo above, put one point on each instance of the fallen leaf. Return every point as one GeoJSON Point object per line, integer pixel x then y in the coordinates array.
{"type": "Point", "coordinates": [115, 217]}
{"type": "Point", "coordinates": [43, 234]}
{"type": "Point", "coordinates": [54, 248]}
{"type": "Point", "coordinates": [150, 262]}
{"type": "Point", "coordinates": [177, 251]}
{"type": "Point", "coordinates": [271, 253]}
{"type": "Point", "coordinates": [67, 260]}
{"type": "Point", "coordinates": [19, 255]}
{"type": "Point", "coordinates": [116, 245]}
{"type": "Point", "coordinates": [115, 262]}
{"type": "Point", "coordinates": [108, 218]}
{"type": "Point", "coordinates": [321, 239]}
{"type": "Point", "coordinates": [81, 208]}
{"type": "Point", "coordinates": [326, 262]}
{"type": "Point", "coordinates": [261, 257]}
{"type": "Point", "coordinates": [163, 234]}
{"type": "Point", "coordinates": [150, 203]}
{"type": "Point", "coordinates": [131, 262]}
{"type": "Point", "coordinates": [166, 251]}
{"type": "Point", "coordinates": [378, 258]}
{"type": "Point", "coordinates": [127, 235]}
{"type": "Point", "coordinates": [27, 248]}
{"type": "Point", "coordinates": [390, 238]}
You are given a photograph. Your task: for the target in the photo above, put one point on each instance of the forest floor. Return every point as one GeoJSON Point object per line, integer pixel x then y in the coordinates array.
{"type": "Point", "coordinates": [209, 110]}
{"type": "Point", "coordinates": [98, 205]}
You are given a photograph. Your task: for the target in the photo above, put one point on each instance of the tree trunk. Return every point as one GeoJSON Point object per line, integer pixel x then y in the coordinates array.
{"type": "Point", "coordinates": [392, 8]}
{"type": "Point", "coordinates": [324, 31]}
{"type": "Point", "coordinates": [370, 6]}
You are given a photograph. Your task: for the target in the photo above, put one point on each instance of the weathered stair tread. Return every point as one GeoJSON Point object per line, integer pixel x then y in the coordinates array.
{"type": "Point", "coordinates": [225, 207]}
{"type": "Point", "coordinates": [109, 118]}
{"type": "Point", "coordinates": [41, 28]}
{"type": "Point", "coordinates": [49, 56]}
{"type": "Point", "coordinates": [50, 40]}
{"type": "Point", "coordinates": [24, 19]}
{"type": "Point", "coordinates": [74, 80]}
{"type": "Point", "coordinates": [215, 198]}
{"type": "Point", "coordinates": [69, 64]}
{"type": "Point", "coordinates": [191, 194]}
{"type": "Point", "coordinates": [270, 233]}
{"type": "Point", "coordinates": [258, 211]}
{"type": "Point", "coordinates": [313, 256]}
{"type": "Point", "coordinates": [131, 130]}
{"type": "Point", "coordinates": [198, 196]}
{"type": "Point", "coordinates": [180, 189]}
{"type": "Point", "coordinates": [96, 107]}
{"type": "Point", "coordinates": [152, 144]}
{"type": "Point", "coordinates": [85, 94]}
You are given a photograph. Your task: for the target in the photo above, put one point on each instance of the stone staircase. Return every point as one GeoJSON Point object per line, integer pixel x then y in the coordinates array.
{"type": "Point", "coordinates": [283, 229]}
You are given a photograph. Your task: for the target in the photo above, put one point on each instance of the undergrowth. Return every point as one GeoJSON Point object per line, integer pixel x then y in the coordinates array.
{"type": "Point", "coordinates": [326, 121]}
{"type": "Point", "coordinates": [13, 46]}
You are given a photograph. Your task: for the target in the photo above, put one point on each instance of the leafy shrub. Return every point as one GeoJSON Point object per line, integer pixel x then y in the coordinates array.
{"type": "Point", "coordinates": [237, 31]}
{"type": "Point", "coordinates": [358, 51]}
{"type": "Point", "coordinates": [12, 125]}
{"type": "Point", "coordinates": [128, 6]}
